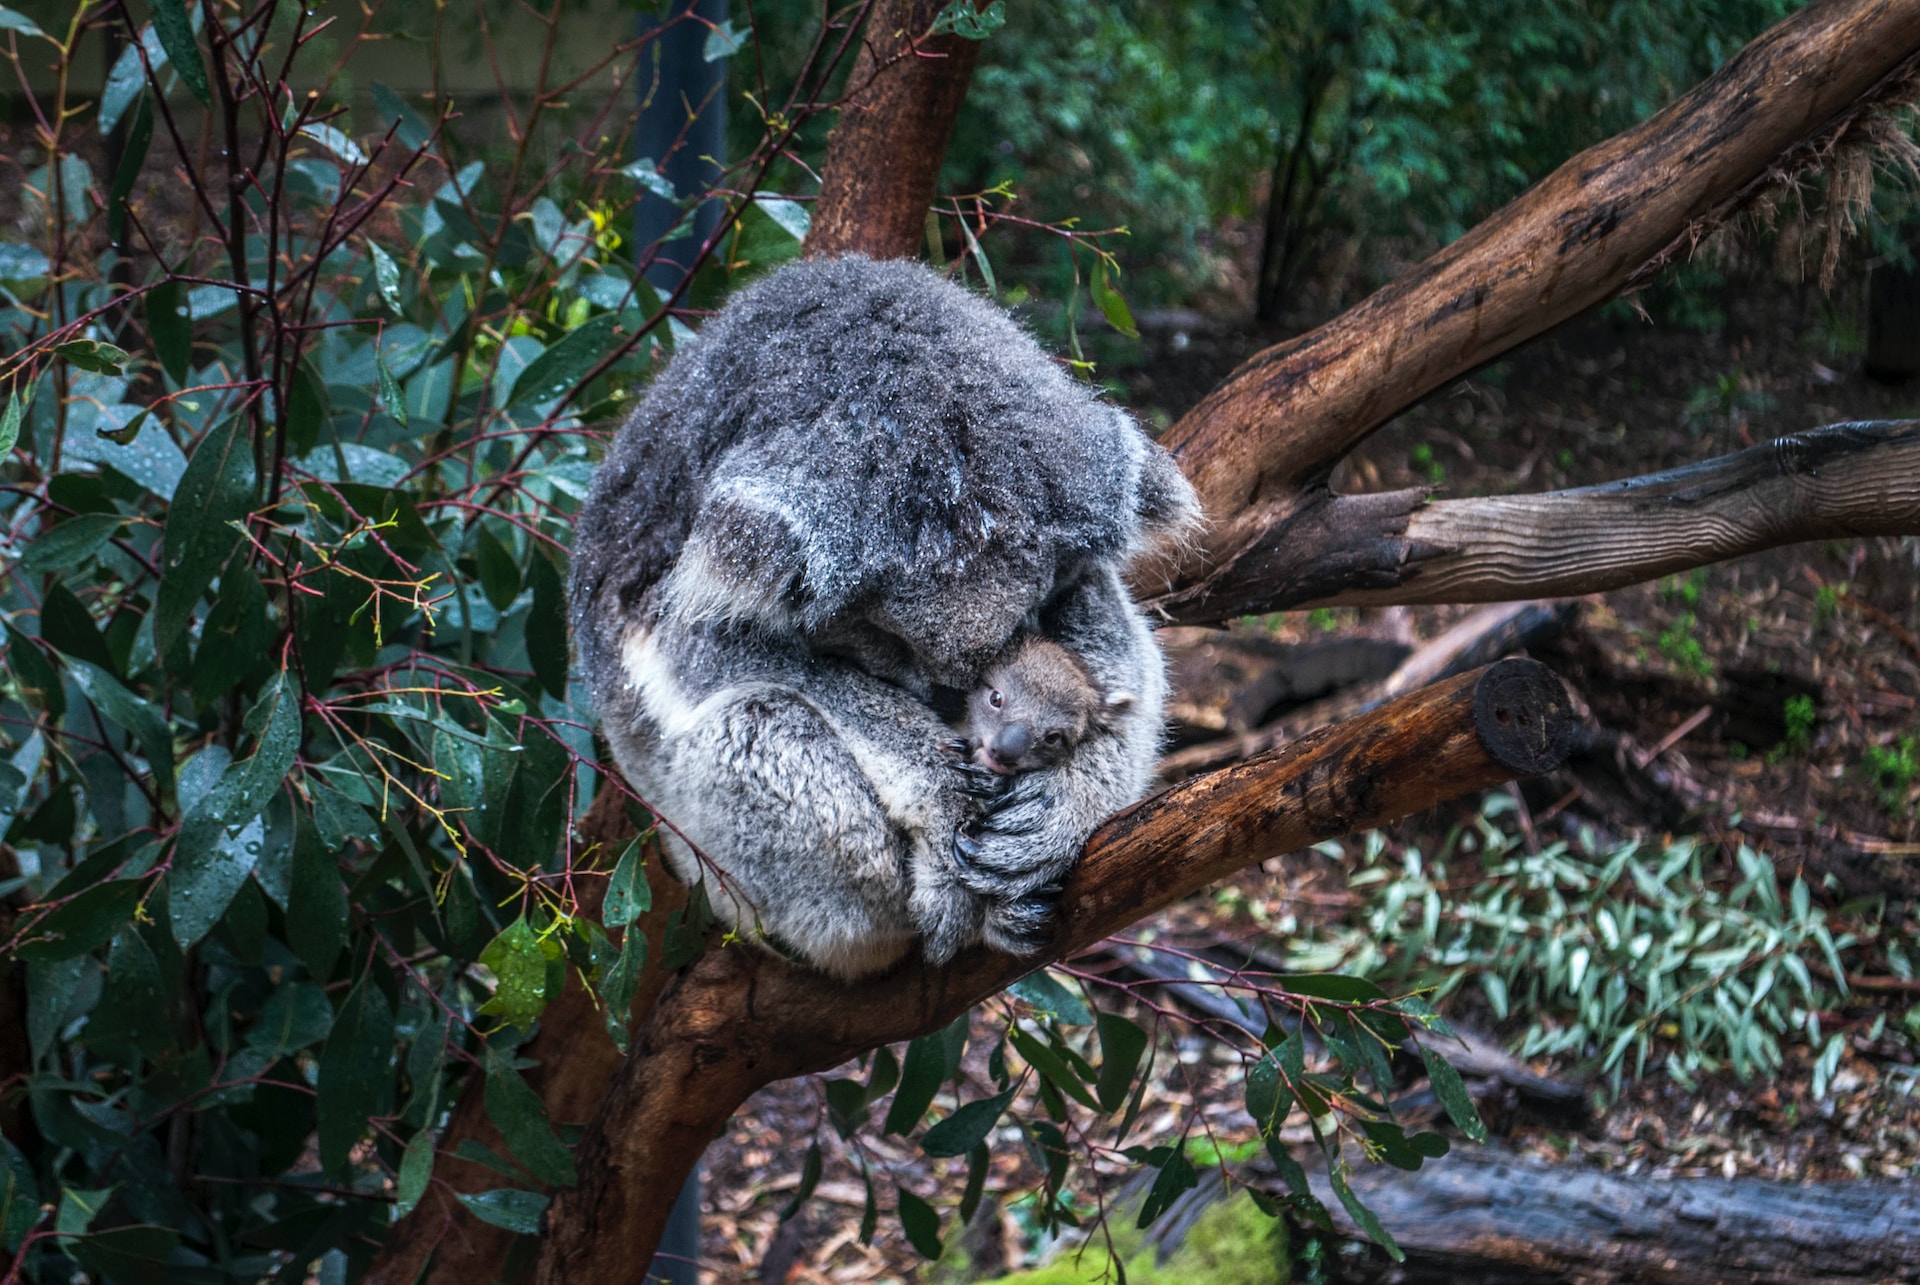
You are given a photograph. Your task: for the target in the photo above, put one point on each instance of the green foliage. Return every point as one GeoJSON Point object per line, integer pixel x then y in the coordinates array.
{"type": "Point", "coordinates": [1615, 957]}
{"type": "Point", "coordinates": [1679, 645]}
{"type": "Point", "coordinates": [1892, 769]}
{"type": "Point", "coordinates": [1797, 715]}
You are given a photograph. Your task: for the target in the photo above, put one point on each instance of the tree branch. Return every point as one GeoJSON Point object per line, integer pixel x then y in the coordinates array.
{"type": "Point", "coordinates": [739, 1018]}
{"type": "Point", "coordinates": [885, 153]}
{"type": "Point", "coordinates": [1256, 445]}
{"type": "Point", "coordinates": [1840, 481]}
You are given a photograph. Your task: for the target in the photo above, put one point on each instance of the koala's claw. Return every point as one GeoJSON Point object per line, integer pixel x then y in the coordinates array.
{"type": "Point", "coordinates": [966, 850]}
{"type": "Point", "coordinates": [1022, 925]}
{"type": "Point", "coordinates": [958, 745]}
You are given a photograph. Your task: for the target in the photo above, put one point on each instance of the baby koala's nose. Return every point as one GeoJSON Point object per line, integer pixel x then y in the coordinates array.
{"type": "Point", "coordinates": [1013, 741]}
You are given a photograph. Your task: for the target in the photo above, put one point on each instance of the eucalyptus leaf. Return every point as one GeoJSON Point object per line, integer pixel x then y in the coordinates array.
{"type": "Point", "coordinates": [216, 490]}
{"type": "Point", "coordinates": [176, 34]}
{"type": "Point", "coordinates": [509, 1208]}
{"type": "Point", "coordinates": [355, 1072]}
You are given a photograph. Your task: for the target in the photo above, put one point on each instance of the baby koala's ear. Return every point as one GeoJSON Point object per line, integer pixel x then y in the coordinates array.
{"type": "Point", "coordinates": [1114, 705]}
{"type": "Point", "coordinates": [742, 561]}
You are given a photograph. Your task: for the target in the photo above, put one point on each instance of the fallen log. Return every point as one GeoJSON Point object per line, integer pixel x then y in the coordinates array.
{"type": "Point", "coordinates": [1489, 1216]}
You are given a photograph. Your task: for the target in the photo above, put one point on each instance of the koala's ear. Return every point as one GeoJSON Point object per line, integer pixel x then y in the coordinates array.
{"type": "Point", "coordinates": [1166, 503]}
{"type": "Point", "coordinates": [1114, 705]}
{"type": "Point", "coordinates": [742, 561]}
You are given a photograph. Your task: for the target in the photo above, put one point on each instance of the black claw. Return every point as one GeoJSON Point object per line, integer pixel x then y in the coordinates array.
{"type": "Point", "coordinates": [958, 745]}
{"type": "Point", "coordinates": [965, 850]}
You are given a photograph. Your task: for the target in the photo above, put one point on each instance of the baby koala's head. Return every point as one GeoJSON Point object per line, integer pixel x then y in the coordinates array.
{"type": "Point", "coordinates": [1034, 705]}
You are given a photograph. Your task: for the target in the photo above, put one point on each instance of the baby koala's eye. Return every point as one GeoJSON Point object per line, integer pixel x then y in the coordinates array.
{"type": "Point", "coordinates": [994, 698]}
{"type": "Point", "coordinates": [1054, 738]}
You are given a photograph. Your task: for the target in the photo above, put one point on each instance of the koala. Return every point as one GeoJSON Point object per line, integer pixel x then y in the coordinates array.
{"type": "Point", "coordinates": [830, 513]}
{"type": "Point", "coordinates": [1033, 707]}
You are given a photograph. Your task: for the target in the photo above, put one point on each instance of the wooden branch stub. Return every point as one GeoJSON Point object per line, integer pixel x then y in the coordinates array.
{"type": "Point", "coordinates": [740, 1018]}
{"type": "Point", "coordinates": [1523, 716]}
{"type": "Point", "coordinates": [884, 156]}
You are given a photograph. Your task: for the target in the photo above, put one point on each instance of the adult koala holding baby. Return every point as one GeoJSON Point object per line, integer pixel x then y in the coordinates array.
{"type": "Point", "coordinates": [836, 506]}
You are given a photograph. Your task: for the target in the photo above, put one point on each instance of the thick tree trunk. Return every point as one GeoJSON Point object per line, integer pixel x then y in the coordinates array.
{"type": "Point", "coordinates": [885, 153]}
{"type": "Point", "coordinates": [739, 1018]}
{"type": "Point", "coordinates": [1600, 224]}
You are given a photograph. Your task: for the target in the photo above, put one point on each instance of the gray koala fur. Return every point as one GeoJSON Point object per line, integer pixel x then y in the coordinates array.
{"type": "Point", "coordinates": [853, 488]}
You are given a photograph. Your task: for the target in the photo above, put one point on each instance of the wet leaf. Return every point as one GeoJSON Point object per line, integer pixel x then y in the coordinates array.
{"type": "Point", "coordinates": [87, 922]}
{"type": "Point", "coordinates": [296, 1016]}
{"type": "Point", "coordinates": [316, 903]}
{"type": "Point", "coordinates": [1452, 1092]}
{"type": "Point", "coordinates": [567, 362]}
{"type": "Point", "coordinates": [517, 958]}
{"type": "Point", "coordinates": [507, 1207]}
{"type": "Point", "coordinates": [921, 1224]}
{"type": "Point", "coordinates": [216, 489]}
{"type": "Point", "coordinates": [130, 712]}
{"type": "Point", "coordinates": [1052, 996]}
{"type": "Point", "coordinates": [628, 893]}
{"type": "Point", "coordinates": [517, 1112]}
{"type": "Point", "coordinates": [416, 1171]}
{"type": "Point", "coordinates": [93, 355]}
{"type": "Point", "coordinates": [71, 544]}
{"type": "Point", "coordinates": [176, 34]}
{"type": "Point", "coordinates": [355, 1073]}
{"type": "Point", "coordinates": [171, 329]}
{"type": "Point", "coordinates": [19, 1197]}
{"type": "Point", "coordinates": [547, 626]}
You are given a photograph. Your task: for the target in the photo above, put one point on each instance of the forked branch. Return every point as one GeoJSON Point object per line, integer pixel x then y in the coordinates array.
{"type": "Point", "coordinates": [739, 1018]}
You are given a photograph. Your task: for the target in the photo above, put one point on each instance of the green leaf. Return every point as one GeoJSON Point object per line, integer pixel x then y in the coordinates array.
{"type": "Point", "coordinates": [790, 216]}
{"type": "Point", "coordinates": [128, 79]}
{"type": "Point", "coordinates": [39, 681]}
{"type": "Point", "coordinates": [132, 713]}
{"type": "Point", "coordinates": [1052, 1067]}
{"type": "Point", "coordinates": [217, 489]}
{"type": "Point", "coordinates": [499, 573]}
{"type": "Point", "coordinates": [390, 398]}
{"type": "Point", "coordinates": [19, 1197]}
{"type": "Point", "coordinates": [920, 1078]}
{"type": "Point", "coordinates": [1452, 1092]}
{"type": "Point", "coordinates": [515, 1210]}
{"type": "Point", "coordinates": [1121, 1044]}
{"type": "Point", "coordinates": [517, 958]}
{"type": "Point", "coordinates": [412, 131]}
{"type": "Point", "coordinates": [307, 408]}
{"type": "Point", "coordinates": [648, 175]}
{"type": "Point", "coordinates": [386, 276]}
{"type": "Point", "coordinates": [622, 979]}
{"type": "Point", "coordinates": [355, 1073]}
{"type": "Point", "coordinates": [10, 424]}
{"type": "Point", "coordinates": [1050, 995]}
{"type": "Point", "coordinates": [171, 327]}
{"type": "Point", "coordinates": [1362, 1216]}
{"type": "Point", "coordinates": [564, 365]}
{"type": "Point", "coordinates": [176, 34]}
{"type": "Point", "coordinates": [1268, 1100]}
{"type": "Point", "coordinates": [416, 1171]}
{"type": "Point", "coordinates": [547, 626]}
{"type": "Point", "coordinates": [317, 902]}
{"type": "Point", "coordinates": [870, 1207]}
{"type": "Point", "coordinates": [1115, 309]}
{"type": "Point", "coordinates": [809, 1179]}
{"type": "Point", "coordinates": [296, 1016]}
{"type": "Point", "coordinates": [134, 1255]}
{"type": "Point", "coordinates": [517, 1112]}
{"type": "Point", "coordinates": [13, 20]}
{"type": "Point", "coordinates": [72, 543]}
{"type": "Point", "coordinates": [1350, 990]}
{"type": "Point", "coordinates": [723, 41]}
{"type": "Point", "coordinates": [961, 18]}
{"type": "Point", "coordinates": [966, 1128]}
{"type": "Point", "coordinates": [221, 836]}
{"type": "Point", "coordinates": [1176, 1177]}
{"type": "Point", "coordinates": [133, 1009]}
{"type": "Point", "coordinates": [83, 924]}
{"type": "Point", "coordinates": [67, 626]}
{"type": "Point", "coordinates": [629, 895]}
{"type": "Point", "coordinates": [921, 1224]}
{"type": "Point", "coordinates": [977, 1165]}
{"type": "Point", "coordinates": [127, 173]}
{"type": "Point", "coordinates": [93, 355]}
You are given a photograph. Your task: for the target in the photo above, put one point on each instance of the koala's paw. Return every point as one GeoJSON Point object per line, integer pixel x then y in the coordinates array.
{"type": "Point", "coordinates": [976, 781]}
{"type": "Point", "coordinates": [1021, 925]}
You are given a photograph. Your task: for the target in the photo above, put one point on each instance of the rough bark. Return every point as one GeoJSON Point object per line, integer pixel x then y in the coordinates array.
{"type": "Point", "coordinates": [739, 1018]}
{"type": "Point", "coordinates": [1487, 1216]}
{"type": "Point", "coordinates": [1593, 228]}
{"type": "Point", "coordinates": [886, 149]}
{"type": "Point", "coordinates": [1841, 481]}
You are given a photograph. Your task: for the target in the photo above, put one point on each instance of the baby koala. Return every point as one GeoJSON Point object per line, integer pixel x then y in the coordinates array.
{"type": "Point", "coordinates": [1033, 706]}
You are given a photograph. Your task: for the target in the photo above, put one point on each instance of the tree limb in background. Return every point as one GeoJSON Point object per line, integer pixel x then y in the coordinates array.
{"type": "Point", "coordinates": [1840, 481]}
{"type": "Point", "coordinates": [1258, 443]}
